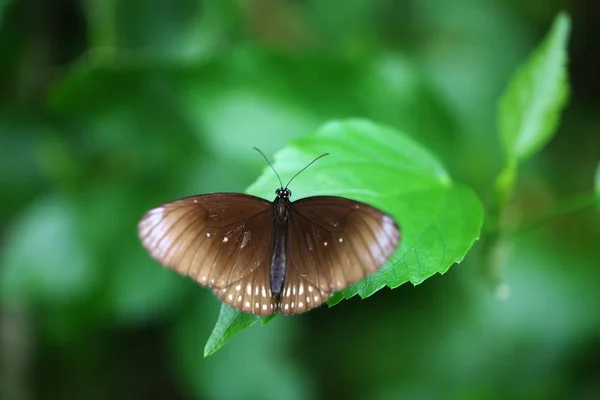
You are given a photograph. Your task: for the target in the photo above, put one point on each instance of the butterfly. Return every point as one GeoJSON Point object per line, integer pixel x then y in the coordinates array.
{"type": "Point", "coordinates": [264, 257]}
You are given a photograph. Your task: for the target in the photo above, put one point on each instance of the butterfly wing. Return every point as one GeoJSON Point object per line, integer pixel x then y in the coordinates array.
{"type": "Point", "coordinates": [332, 243]}
{"type": "Point", "coordinates": [222, 240]}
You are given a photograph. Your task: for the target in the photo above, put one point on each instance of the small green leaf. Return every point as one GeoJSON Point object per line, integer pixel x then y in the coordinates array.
{"type": "Point", "coordinates": [439, 220]}
{"type": "Point", "coordinates": [230, 322]}
{"type": "Point", "coordinates": [530, 108]}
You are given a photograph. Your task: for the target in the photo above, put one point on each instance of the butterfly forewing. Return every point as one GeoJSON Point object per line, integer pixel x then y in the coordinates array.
{"type": "Point", "coordinates": [223, 241]}
{"type": "Point", "coordinates": [332, 243]}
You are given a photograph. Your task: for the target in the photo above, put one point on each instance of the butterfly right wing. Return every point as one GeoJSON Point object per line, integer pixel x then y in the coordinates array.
{"type": "Point", "coordinates": [222, 240]}
{"type": "Point", "coordinates": [333, 242]}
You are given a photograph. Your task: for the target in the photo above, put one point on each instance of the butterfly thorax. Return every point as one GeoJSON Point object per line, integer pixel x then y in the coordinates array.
{"type": "Point", "coordinates": [281, 210]}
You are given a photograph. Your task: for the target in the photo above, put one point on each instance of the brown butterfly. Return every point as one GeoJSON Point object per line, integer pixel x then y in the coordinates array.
{"type": "Point", "coordinates": [264, 257]}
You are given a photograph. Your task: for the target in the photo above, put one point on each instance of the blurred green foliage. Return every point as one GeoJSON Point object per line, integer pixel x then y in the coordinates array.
{"type": "Point", "coordinates": [108, 108]}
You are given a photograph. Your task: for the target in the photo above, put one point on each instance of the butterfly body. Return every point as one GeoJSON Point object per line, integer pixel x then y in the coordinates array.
{"type": "Point", "coordinates": [264, 257]}
{"type": "Point", "coordinates": [281, 206]}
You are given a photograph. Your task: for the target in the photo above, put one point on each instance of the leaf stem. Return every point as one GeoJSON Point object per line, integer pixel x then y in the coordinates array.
{"type": "Point", "coordinates": [564, 207]}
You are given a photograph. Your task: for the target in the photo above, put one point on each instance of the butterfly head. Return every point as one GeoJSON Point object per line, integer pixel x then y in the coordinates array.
{"type": "Point", "coordinates": [283, 193]}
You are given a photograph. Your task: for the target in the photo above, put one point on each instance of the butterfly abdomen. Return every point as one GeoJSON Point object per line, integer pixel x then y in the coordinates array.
{"type": "Point", "coordinates": [279, 260]}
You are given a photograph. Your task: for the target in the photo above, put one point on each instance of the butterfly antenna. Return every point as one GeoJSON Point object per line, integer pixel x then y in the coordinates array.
{"type": "Point", "coordinates": [270, 165]}
{"type": "Point", "coordinates": [309, 164]}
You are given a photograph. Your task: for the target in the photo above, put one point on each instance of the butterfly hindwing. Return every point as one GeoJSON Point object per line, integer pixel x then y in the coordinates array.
{"type": "Point", "coordinates": [300, 295]}
{"type": "Point", "coordinates": [251, 294]}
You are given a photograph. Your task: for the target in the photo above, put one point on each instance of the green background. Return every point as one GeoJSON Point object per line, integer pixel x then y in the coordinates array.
{"type": "Point", "coordinates": [108, 108]}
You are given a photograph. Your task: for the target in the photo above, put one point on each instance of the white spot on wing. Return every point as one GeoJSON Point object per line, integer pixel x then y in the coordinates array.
{"type": "Point", "coordinates": [300, 304]}
{"type": "Point", "coordinates": [286, 306]}
{"type": "Point", "coordinates": [292, 305]}
{"type": "Point", "coordinates": [256, 290]}
{"type": "Point", "coordinates": [316, 297]}
{"type": "Point", "coordinates": [264, 307]}
{"type": "Point", "coordinates": [307, 299]}
{"type": "Point", "coordinates": [310, 289]}
{"type": "Point", "coordinates": [245, 239]}
{"type": "Point", "coordinates": [212, 281]}
{"type": "Point", "coordinates": [325, 244]}
{"type": "Point", "coordinates": [301, 289]}
{"type": "Point", "coordinates": [340, 240]}
{"type": "Point", "coordinates": [249, 289]}
{"type": "Point", "coordinates": [263, 291]}
{"type": "Point", "coordinates": [207, 234]}
{"type": "Point", "coordinates": [239, 298]}
{"type": "Point", "coordinates": [238, 287]}
{"type": "Point", "coordinates": [225, 239]}
{"type": "Point", "coordinates": [309, 242]}
{"type": "Point", "coordinates": [247, 304]}
{"type": "Point", "coordinates": [203, 278]}
{"type": "Point", "coordinates": [230, 297]}
{"type": "Point", "coordinates": [257, 305]}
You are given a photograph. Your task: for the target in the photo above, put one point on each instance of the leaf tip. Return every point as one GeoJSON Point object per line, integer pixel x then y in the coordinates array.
{"type": "Point", "coordinates": [207, 352]}
{"type": "Point", "coordinates": [563, 20]}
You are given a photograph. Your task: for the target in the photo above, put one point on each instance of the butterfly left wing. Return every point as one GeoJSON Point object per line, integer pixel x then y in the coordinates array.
{"type": "Point", "coordinates": [222, 240]}
{"type": "Point", "coordinates": [332, 243]}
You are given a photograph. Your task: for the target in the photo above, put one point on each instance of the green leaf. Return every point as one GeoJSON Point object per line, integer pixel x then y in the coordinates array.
{"type": "Point", "coordinates": [230, 322]}
{"type": "Point", "coordinates": [375, 164]}
{"type": "Point", "coordinates": [530, 108]}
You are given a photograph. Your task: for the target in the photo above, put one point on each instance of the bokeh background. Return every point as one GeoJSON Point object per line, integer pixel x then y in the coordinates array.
{"type": "Point", "coordinates": [109, 107]}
